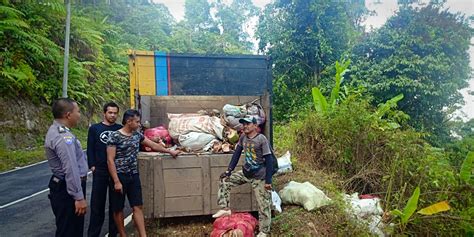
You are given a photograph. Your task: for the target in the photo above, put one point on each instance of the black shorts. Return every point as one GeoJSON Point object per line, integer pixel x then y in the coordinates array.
{"type": "Point", "coordinates": [132, 188]}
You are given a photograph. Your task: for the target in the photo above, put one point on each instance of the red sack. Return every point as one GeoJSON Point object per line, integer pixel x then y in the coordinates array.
{"type": "Point", "coordinates": [244, 222]}
{"type": "Point", "coordinates": [157, 134]}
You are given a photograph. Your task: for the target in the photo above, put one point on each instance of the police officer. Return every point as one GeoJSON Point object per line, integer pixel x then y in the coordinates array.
{"type": "Point", "coordinates": [67, 186]}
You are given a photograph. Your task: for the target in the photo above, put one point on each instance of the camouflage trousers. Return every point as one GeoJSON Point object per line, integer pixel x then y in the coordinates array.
{"type": "Point", "coordinates": [263, 197]}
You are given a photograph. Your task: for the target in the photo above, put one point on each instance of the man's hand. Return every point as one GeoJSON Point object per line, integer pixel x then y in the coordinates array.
{"type": "Point", "coordinates": [175, 153]}
{"type": "Point", "coordinates": [268, 187]}
{"type": "Point", "coordinates": [93, 169]}
{"type": "Point", "coordinates": [81, 207]}
{"type": "Point", "coordinates": [225, 174]}
{"type": "Point", "coordinates": [118, 187]}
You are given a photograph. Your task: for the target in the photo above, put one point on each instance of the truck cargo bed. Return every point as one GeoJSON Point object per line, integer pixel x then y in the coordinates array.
{"type": "Point", "coordinates": [162, 83]}
{"type": "Point", "coordinates": [188, 185]}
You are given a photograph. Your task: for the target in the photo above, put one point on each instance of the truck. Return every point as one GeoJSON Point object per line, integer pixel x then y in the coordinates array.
{"type": "Point", "coordinates": [162, 83]}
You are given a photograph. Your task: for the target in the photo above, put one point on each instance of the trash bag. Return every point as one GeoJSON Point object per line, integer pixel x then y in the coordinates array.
{"type": "Point", "coordinates": [364, 207]}
{"type": "Point", "coordinates": [284, 163]}
{"type": "Point", "coordinates": [276, 202]}
{"type": "Point", "coordinates": [195, 141]}
{"type": "Point", "coordinates": [234, 110]}
{"type": "Point", "coordinates": [233, 123]}
{"type": "Point", "coordinates": [157, 133]}
{"type": "Point", "coordinates": [304, 194]}
{"type": "Point", "coordinates": [256, 111]}
{"type": "Point", "coordinates": [185, 123]}
{"type": "Point", "coordinates": [368, 210]}
{"type": "Point", "coordinates": [244, 222]}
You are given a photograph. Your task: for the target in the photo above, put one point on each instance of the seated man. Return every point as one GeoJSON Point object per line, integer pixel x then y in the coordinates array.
{"type": "Point", "coordinates": [257, 170]}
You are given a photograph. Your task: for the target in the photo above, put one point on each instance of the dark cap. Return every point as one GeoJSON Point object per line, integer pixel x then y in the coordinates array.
{"type": "Point", "coordinates": [248, 120]}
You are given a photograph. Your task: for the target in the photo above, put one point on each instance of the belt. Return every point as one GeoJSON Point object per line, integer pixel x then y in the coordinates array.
{"type": "Point", "coordinates": [57, 180]}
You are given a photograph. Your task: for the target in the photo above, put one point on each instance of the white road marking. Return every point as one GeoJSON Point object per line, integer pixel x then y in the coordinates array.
{"type": "Point", "coordinates": [23, 167]}
{"type": "Point", "coordinates": [30, 196]}
{"type": "Point", "coordinates": [23, 199]}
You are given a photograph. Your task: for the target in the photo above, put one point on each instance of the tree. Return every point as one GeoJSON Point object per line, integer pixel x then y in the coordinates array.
{"type": "Point", "coordinates": [224, 34]}
{"type": "Point", "coordinates": [28, 50]}
{"type": "Point", "coordinates": [233, 18]}
{"type": "Point", "coordinates": [197, 14]}
{"type": "Point", "coordinates": [304, 38]}
{"type": "Point", "coordinates": [422, 53]}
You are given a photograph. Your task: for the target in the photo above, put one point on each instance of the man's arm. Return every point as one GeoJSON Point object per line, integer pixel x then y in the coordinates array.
{"type": "Point", "coordinates": [235, 158]}
{"type": "Point", "coordinates": [267, 156]}
{"type": "Point", "coordinates": [268, 168]}
{"type": "Point", "coordinates": [158, 147]}
{"type": "Point", "coordinates": [66, 152]}
{"type": "Point", "coordinates": [233, 162]}
{"type": "Point", "coordinates": [111, 152]}
{"type": "Point", "coordinates": [91, 161]}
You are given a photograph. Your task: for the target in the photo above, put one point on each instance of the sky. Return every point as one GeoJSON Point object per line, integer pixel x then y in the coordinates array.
{"type": "Point", "coordinates": [384, 10]}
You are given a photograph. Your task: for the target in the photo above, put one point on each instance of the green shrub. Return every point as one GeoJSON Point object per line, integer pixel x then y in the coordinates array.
{"type": "Point", "coordinates": [357, 144]}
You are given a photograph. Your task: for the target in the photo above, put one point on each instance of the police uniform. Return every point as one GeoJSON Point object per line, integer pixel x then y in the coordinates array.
{"type": "Point", "coordinates": [68, 182]}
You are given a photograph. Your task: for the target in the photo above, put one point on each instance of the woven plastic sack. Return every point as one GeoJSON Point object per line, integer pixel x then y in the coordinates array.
{"type": "Point", "coordinates": [244, 222]}
{"type": "Point", "coordinates": [181, 124]}
{"type": "Point", "coordinates": [304, 194]}
{"type": "Point", "coordinates": [235, 111]}
{"type": "Point", "coordinates": [195, 141]}
{"type": "Point", "coordinates": [157, 133]}
{"type": "Point", "coordinates": [256, 111]}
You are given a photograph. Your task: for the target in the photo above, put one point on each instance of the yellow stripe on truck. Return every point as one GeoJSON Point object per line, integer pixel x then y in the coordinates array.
{"type": "Point", "coordinates": [142, 74]}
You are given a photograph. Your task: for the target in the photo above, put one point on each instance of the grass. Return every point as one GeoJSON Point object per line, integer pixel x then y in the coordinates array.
{"type": "Point", "coordinates": [10, 159]}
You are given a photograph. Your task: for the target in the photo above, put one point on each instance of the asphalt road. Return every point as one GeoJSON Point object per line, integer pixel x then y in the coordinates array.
{"type": "Point", "coordinates": [24, 205]}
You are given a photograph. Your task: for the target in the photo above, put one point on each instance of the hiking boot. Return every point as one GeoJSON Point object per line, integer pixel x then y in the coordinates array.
{"type": "Point", "coordinates": [222, 213]}
{"type": "Point", "coordinates": [261, 234]}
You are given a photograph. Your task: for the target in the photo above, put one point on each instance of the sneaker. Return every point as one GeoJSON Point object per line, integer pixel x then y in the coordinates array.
{"type": "Point", "coordinates": [261, 234]}
{"type": "Point", "coordinates": [222, 213]}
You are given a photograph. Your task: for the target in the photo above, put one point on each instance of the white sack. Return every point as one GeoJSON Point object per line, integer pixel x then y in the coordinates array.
{"type": "Point", "coordinates": [195, 141]}
{"type": "Point", "coordinates": [304, 194]}
{"type": "Point", "coordinates": [181, 124]}
{"type": "Point", "coordinates": [284, 163]}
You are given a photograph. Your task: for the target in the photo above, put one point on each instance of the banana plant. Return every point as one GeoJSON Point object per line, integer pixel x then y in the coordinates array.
{"type": "Point", "coordinates": [466, 168]}
{"type": "Point", "coordinates": [384, 108]}
{"type": "Point", "coordinates": [412, 205]}
{"type": "Point", "coordinates": [320, 103]}
{"type": "Point", "coordinates": [409, 209]}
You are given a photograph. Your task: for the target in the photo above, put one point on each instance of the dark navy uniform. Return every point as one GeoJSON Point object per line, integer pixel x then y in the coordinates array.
{"type": "Point", "coordinates": [68, 183]}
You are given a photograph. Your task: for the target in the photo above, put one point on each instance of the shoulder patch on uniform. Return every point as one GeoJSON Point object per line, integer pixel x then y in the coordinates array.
{"type": "Point", "coordinates": [62, 129]}
{"type": "Point", "coordinates": [68, 140]}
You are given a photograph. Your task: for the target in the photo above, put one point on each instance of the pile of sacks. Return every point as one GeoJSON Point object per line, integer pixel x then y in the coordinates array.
{"type": "Point", "coordinates": [206, 132]}
{"type": "Point", "coordinates": [232, 114]}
